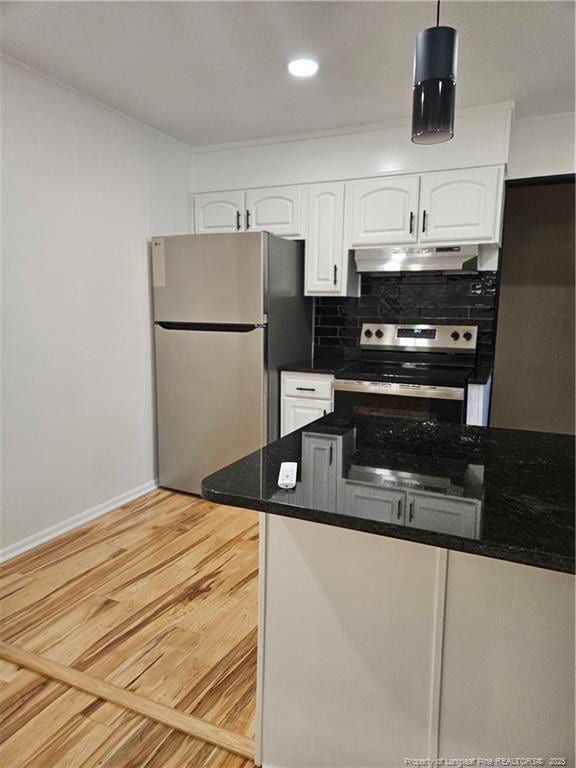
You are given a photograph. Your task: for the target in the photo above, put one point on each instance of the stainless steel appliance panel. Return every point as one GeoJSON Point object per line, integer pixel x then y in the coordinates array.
{"type": "Point", "coordinates": [403, 401]}
{"type": "Point", "coordinates": [211, 408]}
{"type": "Point", "coordinates": [400, 389]}
{"type": "Point", "coordinates": [209, 278]}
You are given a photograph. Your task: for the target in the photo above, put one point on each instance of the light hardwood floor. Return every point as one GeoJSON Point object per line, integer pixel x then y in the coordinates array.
{"type": "Point", "coordinates": [152, 606]}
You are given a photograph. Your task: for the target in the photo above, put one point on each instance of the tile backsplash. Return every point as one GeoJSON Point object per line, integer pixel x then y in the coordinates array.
{"type": "Point", "coordinates": [407, 298]}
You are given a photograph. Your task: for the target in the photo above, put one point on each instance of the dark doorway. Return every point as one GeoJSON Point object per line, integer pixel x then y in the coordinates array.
{"type": "Point", "coordinates": [534, 364]}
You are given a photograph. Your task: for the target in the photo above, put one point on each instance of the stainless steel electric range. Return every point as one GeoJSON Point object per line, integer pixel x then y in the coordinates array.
{"type": "Point", "coordinates": [409, 371]}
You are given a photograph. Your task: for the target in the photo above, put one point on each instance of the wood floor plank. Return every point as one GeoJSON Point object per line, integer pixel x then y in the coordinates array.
{"type": "Point", "coordinates": [193, 726]}
{"type": "Point", "coordinates": [158, 597]}
{"type": "Point", "coordinates": [79, 741]}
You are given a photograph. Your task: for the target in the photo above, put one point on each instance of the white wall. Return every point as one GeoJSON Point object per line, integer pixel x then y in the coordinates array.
{"type": "Point", "coordinates": [535, 146]}
{"type": "Point", "coordinates": [83, 189]}
{"type": "Point", "coordinates": [482, 138]}
{"type": "Point", "coordinates": [542, 146]}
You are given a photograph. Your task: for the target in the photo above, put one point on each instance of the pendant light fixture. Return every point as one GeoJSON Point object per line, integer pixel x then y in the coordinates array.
{"type": "Point", "coordinates": [434, 92]}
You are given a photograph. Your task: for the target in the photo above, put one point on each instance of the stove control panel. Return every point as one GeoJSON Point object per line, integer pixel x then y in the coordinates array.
{"type": "Point", "coordinates": [419, 338]}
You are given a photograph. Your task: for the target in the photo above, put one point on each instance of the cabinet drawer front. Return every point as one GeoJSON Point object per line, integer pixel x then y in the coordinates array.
{"type": "Point", "coordinates": [383, 504]}
{"type": "Point", "coordinates": [458, 517]}
{"type": "Point", "coordinates": [309, 386]}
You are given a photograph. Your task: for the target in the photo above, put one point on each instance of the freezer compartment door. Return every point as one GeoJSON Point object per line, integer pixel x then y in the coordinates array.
{"type": "Point", "coordinates": [210, 401]}
{"type": "Point", "coordinates": [209, 278]}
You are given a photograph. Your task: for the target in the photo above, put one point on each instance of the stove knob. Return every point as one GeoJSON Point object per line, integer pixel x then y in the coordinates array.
{"type": "Point", "coordinates": [455, 335]}
{"type": "Point", "coordinates": [379, 334]}
{"type": "Point", "coordinates": [368, 333]}
{"type": "Point", "coordinates": [467, 336]}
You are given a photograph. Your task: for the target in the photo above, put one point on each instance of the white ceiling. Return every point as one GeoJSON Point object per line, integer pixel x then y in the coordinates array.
{"type": "Point", "coordinates": [214, 72]}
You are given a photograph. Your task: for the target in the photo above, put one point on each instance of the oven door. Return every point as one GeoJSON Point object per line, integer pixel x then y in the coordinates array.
{"type": "Point", "coordinates": [403, 401]}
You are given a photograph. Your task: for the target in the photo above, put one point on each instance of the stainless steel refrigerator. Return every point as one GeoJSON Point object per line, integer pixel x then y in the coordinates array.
{"type": "Point", "coordinates": [229, 311]}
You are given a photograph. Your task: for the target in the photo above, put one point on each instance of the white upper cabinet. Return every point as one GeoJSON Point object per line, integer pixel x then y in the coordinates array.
{"type": "Point", "coordinates": [218, 212]}
{"type": "Point", "coordinates": [380, 211]}
{"type": "Point", "coordinates": [325, 243]}
{"type": "Point", "coordinates": [277, 210]}
{"type": "Point", "coordinates": [461, 206]}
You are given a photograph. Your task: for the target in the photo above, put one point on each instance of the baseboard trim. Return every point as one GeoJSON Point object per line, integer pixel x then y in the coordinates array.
{"type": "Point", "coordinates": [19, 547]}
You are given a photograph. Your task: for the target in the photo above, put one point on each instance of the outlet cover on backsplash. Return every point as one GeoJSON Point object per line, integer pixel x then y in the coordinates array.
{"type": "Point", "coordinates": [433, 298]}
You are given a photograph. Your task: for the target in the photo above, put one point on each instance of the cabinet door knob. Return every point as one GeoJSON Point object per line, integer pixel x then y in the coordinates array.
{"type": "Point", "coordinates": [238, 221]}
{"type": "Point", "coordinates": [399, 515]}
{"type": "Point", "coordinates": [424, 222]}
{"type": "Point", "coordinates": [247, 219]}
{"type": "Point", "coordinates": [411, 512]}
{"type": "Point", "coordinates": [411, 222]}
{"type": "Point", "coordinates": [335, 274]}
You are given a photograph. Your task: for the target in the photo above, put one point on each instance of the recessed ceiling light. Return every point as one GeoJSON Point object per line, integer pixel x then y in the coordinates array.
{"type": "Point", "coordinates": [303, 67]}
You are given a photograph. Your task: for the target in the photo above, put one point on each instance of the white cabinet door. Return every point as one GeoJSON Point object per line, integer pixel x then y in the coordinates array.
{"type": "Point", "coordinates": [382, 211]}
{"type": "Point", "coordinates": [299, 411]}
{"type": "Point", "coordinates": [507, 660]}
{"type": "Point", "coordinates": [461, 205]}
{"type": "Point", "coordinates": [460, 517]}
{"type": "Point", "coordinates": [218, 212]}
{"type": "Point", "coordinates": [277, 210]}
{"type": "Point", "coordinates": [374, 503]}
{"type": "Point", "coordinates": [325, 243]}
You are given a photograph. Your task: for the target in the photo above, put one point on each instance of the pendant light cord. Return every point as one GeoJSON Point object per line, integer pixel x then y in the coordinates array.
{"type": "Point", "coordinates": [438, 13]}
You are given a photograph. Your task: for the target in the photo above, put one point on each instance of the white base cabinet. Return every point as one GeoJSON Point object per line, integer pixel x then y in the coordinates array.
{"type": "Point", "coordinates": [378, 650]}
{"type": "Point", "coordinates": [299, 411]}
{"type": "Point", "coordinates": [304, 398]}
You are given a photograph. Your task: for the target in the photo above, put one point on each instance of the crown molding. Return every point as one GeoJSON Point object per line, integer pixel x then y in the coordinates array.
{"type": "Point", "coordinates": [505, 106]}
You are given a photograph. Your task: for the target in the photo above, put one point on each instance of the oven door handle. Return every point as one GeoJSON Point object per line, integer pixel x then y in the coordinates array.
{"type": "Point", "coordinates": [398, 389]}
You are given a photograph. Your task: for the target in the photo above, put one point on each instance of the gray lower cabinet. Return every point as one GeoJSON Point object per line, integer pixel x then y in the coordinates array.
{"type": "Point", "coordinates": [459, 517]}
{"type": "Point", "coordinates": [374, 503]}
{"type": "Point", "coordinates": [321, 467]}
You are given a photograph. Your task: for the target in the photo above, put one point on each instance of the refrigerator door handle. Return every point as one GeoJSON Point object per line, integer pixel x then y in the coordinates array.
{"type": "Point", "coordinates": [169, 325]}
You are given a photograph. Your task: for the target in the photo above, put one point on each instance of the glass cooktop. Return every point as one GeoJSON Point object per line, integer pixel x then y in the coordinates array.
{"type": "Point", "coordinates": [408, 372]}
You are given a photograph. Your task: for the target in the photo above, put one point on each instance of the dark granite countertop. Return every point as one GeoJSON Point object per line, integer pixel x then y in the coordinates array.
{"type": "Point", "coordinates": [317, 366]}
{"type": "Point", "coordinates": [480, 375]}
{"type": "Point", "coordinates": [505, 494]}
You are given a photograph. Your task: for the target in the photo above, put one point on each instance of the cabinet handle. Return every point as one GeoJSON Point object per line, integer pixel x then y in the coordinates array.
{"type": "Point", "coordinates": [247, 219]}
{"type": "Point", "coordinates": [424, 222]}
{"type": "Point", "coordinates": [238, 221]}
{"type": "Point", "coordinates": [411, 513]}
{"type": "Point", "coordinates": [306, 389]}
{"type": "Point", "coordinates": [331, 453]}
{"type": "Point", "coordinates": [399, 515]}
{"type": "Point", "coordinates": [335, 274]}
{"type": "Point", "coordinates": [411, 222]}
{"type": "Point", "coordinates": [324, 412]}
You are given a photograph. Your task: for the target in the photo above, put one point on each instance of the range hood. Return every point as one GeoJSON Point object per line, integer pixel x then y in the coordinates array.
{"type": "Point", "coordinates": [398, 258]}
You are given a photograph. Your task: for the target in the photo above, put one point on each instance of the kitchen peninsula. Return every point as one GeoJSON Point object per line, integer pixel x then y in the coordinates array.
{"type": "Point", "coordinates": [417, 592]}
